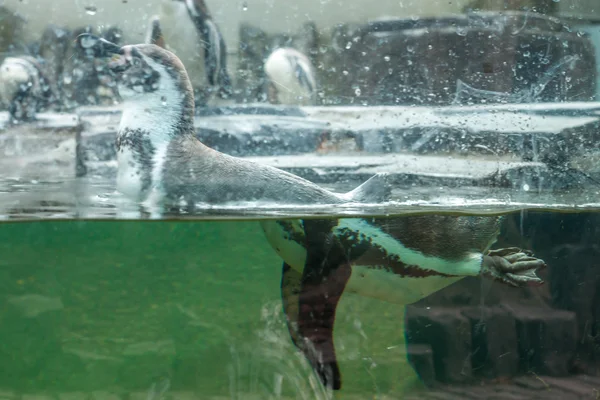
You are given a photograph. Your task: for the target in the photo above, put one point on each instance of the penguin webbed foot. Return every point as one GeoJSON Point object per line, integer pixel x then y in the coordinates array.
{"type": "Point", "coordinates": [512, 266]}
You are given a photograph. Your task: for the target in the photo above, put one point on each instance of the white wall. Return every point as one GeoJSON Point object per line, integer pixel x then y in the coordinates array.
{"type": "Point", "coordinates": [271, 15]}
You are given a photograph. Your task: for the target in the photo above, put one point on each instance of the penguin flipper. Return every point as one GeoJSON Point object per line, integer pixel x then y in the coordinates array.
{"type": "Point", "coordinates": [376, 189]}
{"type": "Point", "coordinates": [291, 286]}
{"type": "Point", "coordinates": [154, 34]}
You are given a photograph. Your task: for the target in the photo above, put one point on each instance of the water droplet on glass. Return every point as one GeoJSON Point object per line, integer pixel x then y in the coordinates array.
{"type": "Point", "coordinates": [386, 58]}
{"type": "Point", "coordinates": [367, 69]}
{"type": "Point", "coordinates": [430, 47]}
{"type": "Point", "coordinates": [568, 79]}
{"type": "Point", "coordinates": [245, 6]}
{"type": "Point", "coordinates": [461, 31]}
{"type": "Point", "coordinates": [163, 100]}
{"type": "Point", "coordinates": [348, 45]}
{"type": "Point", "coordinates": [526, 187]}
{"type": "Point", "coordinates": [357, 91]}
{"type": "Point", "coordinates": [556, 1]}
{"type": "Point", "coordinates": [345, 72]}
{"type": "Point", "coordinates": [91, 10]}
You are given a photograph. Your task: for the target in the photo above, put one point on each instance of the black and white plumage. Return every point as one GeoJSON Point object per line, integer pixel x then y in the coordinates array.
{"type": "Point", "coordinates": [290, 77]}
{"type": "Point", "coordinates": [24, 87]}
{"type": "Point", "coordinates": [400, 259]}
{"type": "Point", "coordinates": [186, 28]}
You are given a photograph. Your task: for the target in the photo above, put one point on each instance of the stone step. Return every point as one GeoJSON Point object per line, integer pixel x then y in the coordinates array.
{"type": "Point", "coordinates": [547, 339]}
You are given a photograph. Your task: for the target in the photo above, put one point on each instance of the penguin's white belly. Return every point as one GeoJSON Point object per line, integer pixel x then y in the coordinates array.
{"type": "Point", "coordinates": [13, 77]}
{"type": "Point", "coordinates": [129, 175]}
{"type": "Point", "coordinates": [182, 38]}
{"type": "Point", "coordinates": [284, 77]}
{"type": "Point", "coordinates": [290, 251]}
{"type": "Point", "coordinates": [395, 289]}
{"type": "Point", "coordinates": [367, 281]}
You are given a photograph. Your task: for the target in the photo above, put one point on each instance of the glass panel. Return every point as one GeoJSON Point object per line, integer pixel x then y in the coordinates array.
{"type": "Point", "coordinates": [320, 199]}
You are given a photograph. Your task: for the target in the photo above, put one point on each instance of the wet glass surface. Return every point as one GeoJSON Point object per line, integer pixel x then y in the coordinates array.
{"type": "Point", "coordinates": [449, 249]}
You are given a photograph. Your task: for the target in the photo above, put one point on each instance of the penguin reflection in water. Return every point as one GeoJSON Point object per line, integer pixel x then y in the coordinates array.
{"type": "Point", "coordinates": [186, 28]}
{"type": "Point", "coordinates": [399, 260]}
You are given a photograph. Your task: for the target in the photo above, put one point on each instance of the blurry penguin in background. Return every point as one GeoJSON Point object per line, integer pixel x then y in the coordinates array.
{"type": "Point", "coordinates": [290, 78]}
{"type": "Point", "coordinates": [84, 81]}
{"type": "Point", "coordinates": [186, 28]}
{"type": "Point", "coordinates": [53, 49]}
{"type": "Point", "coordinates": [79, 79]}
{"type": "Point", "coordinates": [107, 92]}
{"type": "Point", "coordinates": [24, 88]}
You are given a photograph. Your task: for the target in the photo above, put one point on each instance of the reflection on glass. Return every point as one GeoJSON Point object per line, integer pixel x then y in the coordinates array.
{"type": "Point", "coordinates": [299, 200]}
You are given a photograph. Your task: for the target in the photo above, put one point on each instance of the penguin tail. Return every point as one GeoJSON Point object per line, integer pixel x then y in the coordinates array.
{"type": "Point", "coordinates": [376, 189]}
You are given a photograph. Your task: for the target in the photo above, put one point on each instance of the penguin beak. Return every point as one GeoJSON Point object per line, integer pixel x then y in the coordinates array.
{"type": "Point", "coordinates": [95, 46]}
{"type": "Point", "coordinates": [98, 47]}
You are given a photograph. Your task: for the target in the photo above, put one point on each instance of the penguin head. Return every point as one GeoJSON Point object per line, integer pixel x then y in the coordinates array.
{"type": "Point", "coordinates": [145, 73]}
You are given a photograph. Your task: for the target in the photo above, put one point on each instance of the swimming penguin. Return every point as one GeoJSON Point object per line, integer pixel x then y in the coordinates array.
{"type": "Point", "coordinates": [185, 27]}
{"type": "Point", "coordinates": [24, 88]}
{"type": "Point", "coordinates": [400, 259]}
{"type": "Point", "coordinates": [290, 78]}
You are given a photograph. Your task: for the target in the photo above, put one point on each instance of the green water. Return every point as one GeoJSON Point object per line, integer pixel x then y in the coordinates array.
{"type": "Point", "coordinates": [118, 306]}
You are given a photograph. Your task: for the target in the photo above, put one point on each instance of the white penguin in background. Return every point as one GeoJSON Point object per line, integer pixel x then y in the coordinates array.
{"type": "Point", "coordinates": [290, 78]}
{"type": "Point", "coordinates": [185, 27]}
{"type": "Point", "coordinates": [24, 88]}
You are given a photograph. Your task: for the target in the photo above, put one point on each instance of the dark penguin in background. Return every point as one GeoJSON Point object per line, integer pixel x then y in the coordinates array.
{"type": "Point", "coordinates": [25, 88]}
{"type": "Point", "coordinates": [186, 28]}
{"type": "Point", "coordinates": [53, 47]}
{"type": "Point", "coordinates": [400, 259]}
{"type": "Point", "coordinates": [107, 92]}
{"type": "Point", "coordinates": [79, 78]}
{"type": "Point", "coordinates": [84, 80]}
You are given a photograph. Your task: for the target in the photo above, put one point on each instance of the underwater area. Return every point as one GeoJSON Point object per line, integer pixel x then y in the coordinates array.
{"type": "Point", "coordinates": [317, 200]}
{"type": "Point", "coordinates": [98, 304]}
